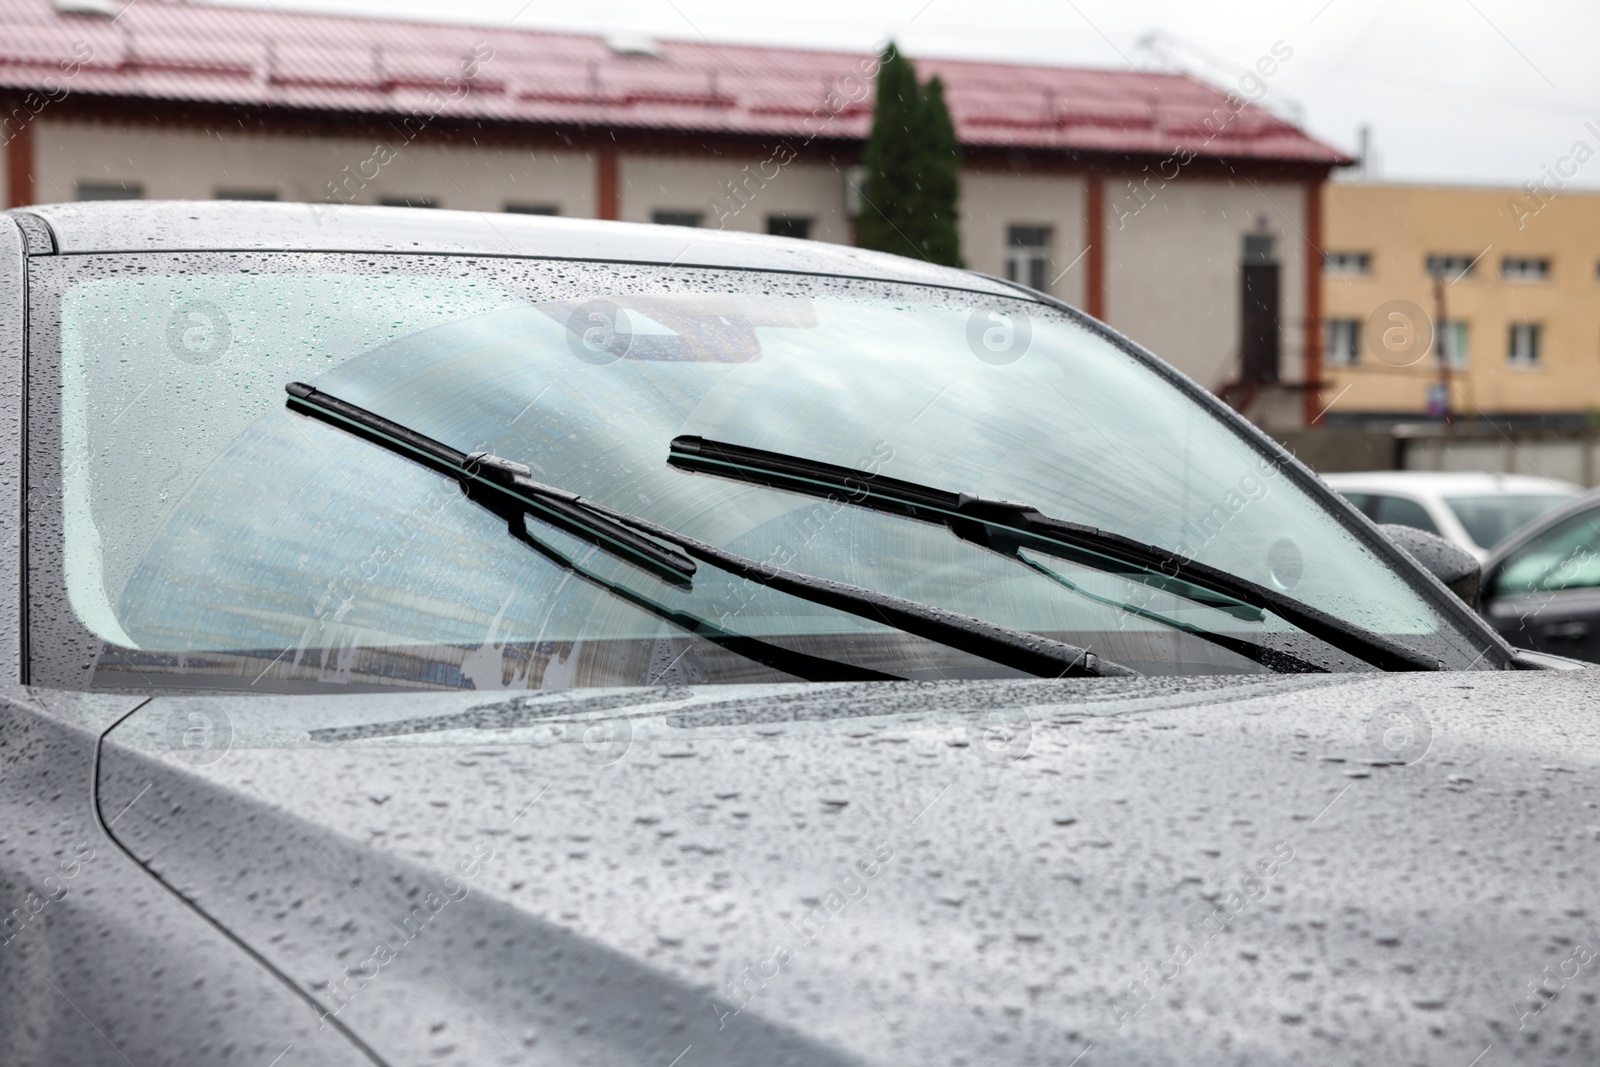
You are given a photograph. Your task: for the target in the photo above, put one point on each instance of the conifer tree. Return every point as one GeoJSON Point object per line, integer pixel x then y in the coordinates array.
{"type": "Point", "coordinates": [890, 192]}
{"type": "Point", "coordinates": [940, 180]}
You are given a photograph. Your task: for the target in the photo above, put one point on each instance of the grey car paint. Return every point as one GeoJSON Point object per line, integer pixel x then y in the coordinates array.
{"type": "Point", "coordinates": [161, 226]}
{"type": "Point", "coordinates": [100, 963]}
{"type": "Point", "coordinates": [13, 413]}
{"type": "Point", "coordinates": [1379, 870]}
{"type": "Point", "coordinates": [975, 872]}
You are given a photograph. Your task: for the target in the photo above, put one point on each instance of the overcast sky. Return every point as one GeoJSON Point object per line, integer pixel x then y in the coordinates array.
{"type": "Point", "coordinates": [1464, 91]}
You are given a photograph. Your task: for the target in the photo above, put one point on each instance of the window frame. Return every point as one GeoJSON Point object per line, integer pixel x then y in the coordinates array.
{"type": "Point", "coordinates": [1453, 266]}
{"type": "Point", "coordinates": [1458, 355]}
{"type": "Point", "coordinates": [678, 217]}
{"type": "Point", "coordinates": [1347, 264]}
{"type": "Point", "coordinates": [1531, 358]}
{"type": "Point", "coordinates": [110, 190]}
{"type": "Point", "coordinates": [779, 225]}
{"type": "Point", "coordinates": [1028, 262]}
{"type": "Point", "coordinates": [1348, 354]}
{"type": "Point", "coordinates": [1522, 274]}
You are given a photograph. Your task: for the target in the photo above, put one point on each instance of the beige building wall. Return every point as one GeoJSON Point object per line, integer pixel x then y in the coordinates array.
{"type": "Point", "coordinates": [194, 164]}
{"type": "Point", "coordinates": [991, 203]}
{"type": "Point", "coordinates": [177, 163]}
{"type": "Point", "coordinates": [1399, 226]}
{"type": "Point", "coordinates": [1172, 269]}
{"type": "Point", "coordinates": [736, 194]}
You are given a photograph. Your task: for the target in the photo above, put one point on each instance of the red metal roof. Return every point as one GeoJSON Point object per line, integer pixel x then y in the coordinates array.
{"type": "Point", "coordinates": [194, 53]}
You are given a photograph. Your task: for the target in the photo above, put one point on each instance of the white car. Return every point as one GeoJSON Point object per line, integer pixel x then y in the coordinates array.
{"type": "Point", "coordinates": [1474, 510]}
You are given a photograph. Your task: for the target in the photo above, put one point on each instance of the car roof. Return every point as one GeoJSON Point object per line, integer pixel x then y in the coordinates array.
{"type": "Point", "coordinates": [1434, 483]}
{"type": "Point", "coordinates": [209, 225]}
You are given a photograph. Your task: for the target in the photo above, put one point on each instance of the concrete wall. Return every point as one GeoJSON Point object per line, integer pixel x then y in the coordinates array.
{"type": "Point", "coordinates": [1573, 457]}
{"type": "Point", "coordinates": [1172, 269]}
{"type": "Point", "coordinates": [1172, 277]}
{"type": "Point", "coordinates": [194, 164]}
{"type": "Point", "coordinates": [736, 194]}
{"type": "Point", "coordinates": [991, 203]}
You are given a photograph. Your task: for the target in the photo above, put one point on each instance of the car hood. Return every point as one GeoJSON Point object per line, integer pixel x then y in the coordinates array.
{"type": "Point", "coordinates": [1395, 869]}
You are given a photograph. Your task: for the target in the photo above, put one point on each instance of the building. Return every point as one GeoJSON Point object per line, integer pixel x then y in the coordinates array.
{"type": "Point", "coordinates": [1518, 276]}
{"type": "Point", "coordinates": [1175, 210]}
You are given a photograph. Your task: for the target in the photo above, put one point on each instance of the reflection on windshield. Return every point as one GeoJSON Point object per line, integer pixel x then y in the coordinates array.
{"type": "Point", "coordinates": [204, 522]}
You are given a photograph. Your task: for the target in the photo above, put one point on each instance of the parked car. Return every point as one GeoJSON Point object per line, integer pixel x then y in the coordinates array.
{"type": "Point", "coordinates": [1541, 587]}
{"type": "Point", "coordinates": [1475, 511]}
{"type": "Point", "coordinates": [439, 639]}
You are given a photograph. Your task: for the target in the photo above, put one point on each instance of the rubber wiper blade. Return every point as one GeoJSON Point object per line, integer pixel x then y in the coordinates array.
{"type": "Point", "coordinates": [1006, 527]}
{"type": "Point", "coordinates": [506, 488]}
{"type": "Point", "coordinates": [497, 483]}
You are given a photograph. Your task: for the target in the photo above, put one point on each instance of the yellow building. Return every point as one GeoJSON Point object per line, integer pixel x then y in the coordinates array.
{"type": "Point", "coordinates": [1519, 279]}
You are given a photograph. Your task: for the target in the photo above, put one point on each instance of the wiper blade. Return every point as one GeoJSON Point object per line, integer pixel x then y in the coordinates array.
{"type": "Point", "coordinates": [1006, 526]}
{"type": "Point", "coordinates": [506, 488]}
{"type": "Point", "coordinates": [484, 474]}
{"type": "Point", "coordinates": [511, 506]}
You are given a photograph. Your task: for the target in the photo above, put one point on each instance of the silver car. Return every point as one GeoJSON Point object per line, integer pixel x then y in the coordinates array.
{"type": "Point", "coordinates": [445, 640]}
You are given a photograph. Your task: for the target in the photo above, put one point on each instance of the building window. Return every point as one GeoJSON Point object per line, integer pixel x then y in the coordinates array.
{"type": "Point", "coordinates": [1028, 255]}
{"type": "Point", "coordinates": [789, 226]}
{"type": "Point", "coordinates": [247, 194]}
{"type": "Point", "coordinates": [1524, 269]}
{"type": "Point", "coordinates": [678, 218]}
{"type": "Point", "coordinates": [532, 209]}
{"type": "Point", "coordinates": [1451, 267]}
{"type": "Point", "coordinates": [110, 191]}
{"type": "Point", "coordinates": [1526, 344]}
{"type": "Point", "coordinates": [408, 201]}
{"type": "Point", "coordinates": [1344, 342]}
{"type": "Point", "coordinates": [1347, 264]}
{"type": "Point", "coordinates": [1456, 338]}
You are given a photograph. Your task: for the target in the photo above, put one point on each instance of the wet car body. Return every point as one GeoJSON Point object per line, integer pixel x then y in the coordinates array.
{"type": "Point", "coordinates": [1157, 871]}
{"type": "Point", "coordinates": [1250, 869]}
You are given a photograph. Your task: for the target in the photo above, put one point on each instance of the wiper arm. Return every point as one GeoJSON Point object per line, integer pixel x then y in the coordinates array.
{"type": "Point", "coordinates": [507, 489]}
{"type": "Point", "coordinates": [489, 476]}
{"type": "Point", "coordinates": [1006, 526]}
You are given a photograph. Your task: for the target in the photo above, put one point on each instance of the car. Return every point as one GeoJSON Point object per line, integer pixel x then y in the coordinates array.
{"type": "Point", "coordinates": [1473, 510]}
{"type": "Point", "coordinates": [464, 640]}
{"type": "Point", "coordinates": [1541, 587]}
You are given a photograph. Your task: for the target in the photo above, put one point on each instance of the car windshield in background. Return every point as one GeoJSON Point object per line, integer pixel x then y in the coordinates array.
{"type": "Point", "coordinates": [210, 536]}
{"type": "Point", "coordinates": [1561, 557]}
{"type": "Point", "coordinates": [1492, 518]}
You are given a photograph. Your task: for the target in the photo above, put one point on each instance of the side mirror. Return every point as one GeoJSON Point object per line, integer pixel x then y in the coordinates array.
{"type": "Point", "coordinates": [1457, 568]}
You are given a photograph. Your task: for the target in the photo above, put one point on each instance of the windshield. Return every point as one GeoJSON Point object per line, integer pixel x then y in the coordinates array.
{"type": "Point", "coordinates": [209, 534]}
{"type": "Point", "coordinates": [1562, 557]}
{"type": "Point", "coordinates": [1492, 518]}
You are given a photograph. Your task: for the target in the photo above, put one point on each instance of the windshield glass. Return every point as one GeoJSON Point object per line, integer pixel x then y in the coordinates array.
{"type": "Point", "coordinates": [208, 533]}
{"type": "Point", "coordinates": [1562, 557]}
{"type": "Point", "coordinates": [1492, 518]}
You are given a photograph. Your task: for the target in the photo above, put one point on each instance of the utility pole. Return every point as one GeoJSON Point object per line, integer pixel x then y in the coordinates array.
{"type": "Point", "coordinates": [1441, 330]}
